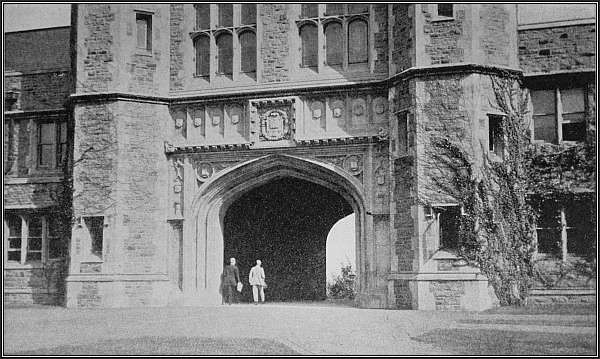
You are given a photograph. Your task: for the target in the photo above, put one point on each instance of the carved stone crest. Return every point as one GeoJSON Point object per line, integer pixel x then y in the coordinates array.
{"type": "Point", "coordinates": [317, 110]}
{"type": "Point", "coordinates": [274, 125]}
{"type": "Point", "coordinates": [358, 108]}
{"type": "Point", "coordinates": [178, 122]}
{"type": "Point", "coordinates": [198, 118]}
{"type": "Point", "coordinates": [338, 108]}
{"type": "Point", "coordinates": [215, 117]}
{"type": "Point", "coordinates": [353, 164]}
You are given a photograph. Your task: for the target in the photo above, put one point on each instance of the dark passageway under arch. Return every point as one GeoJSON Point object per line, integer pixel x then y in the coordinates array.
{"type": "Point", "coordinates": [284, 223]}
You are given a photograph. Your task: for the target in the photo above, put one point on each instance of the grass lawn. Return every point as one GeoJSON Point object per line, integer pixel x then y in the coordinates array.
{"type": "Point", "coordinates": [505, 342]}
{"type": "Point", "coordinates": [572, 309]}
{"type": "Point", "coordinates": [171, 346]}
{"type": "Point", "coordinates": [534, 321]}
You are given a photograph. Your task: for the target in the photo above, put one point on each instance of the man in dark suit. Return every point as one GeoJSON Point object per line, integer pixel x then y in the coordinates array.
{"type": "Point", "coordinates": [231, 278]}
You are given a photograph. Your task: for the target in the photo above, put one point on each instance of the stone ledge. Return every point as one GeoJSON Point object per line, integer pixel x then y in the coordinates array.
{"type": "Point", "coordinates": [439, 276]}
{"type": "Point", "coordinates": [578, 291]}
{"type": "Point", "coordinates": [31, 291]}
{"type": "Point", "coordinates": [27, 180]}
{"type": "Point", "coordinates": [117, 278]}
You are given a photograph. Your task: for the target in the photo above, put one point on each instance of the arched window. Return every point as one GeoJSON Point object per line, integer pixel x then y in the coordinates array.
{"type": "Point", "coordinates": [202, 16]}
{"type": "Point", "coordinates": [248, 14]}
{"type": "Point", "coordinates": [225, 53]}
{"type": "Point", "coordinates": [225, 15]}
{"type": "Point", "coordinates": [309, 10]}
{"type": "Point", "coordinates": [334, 9]}
{"type": "Point", "coordinates": [248, 47]}
{"type": "Point", "coordinates": [358, 44]}
{"type": "Point", "coordinates": [202, 46]}
{"type": "Point", "coordinates": [333, 43]}
{"type": "Point", "coordinates": [308, 34]}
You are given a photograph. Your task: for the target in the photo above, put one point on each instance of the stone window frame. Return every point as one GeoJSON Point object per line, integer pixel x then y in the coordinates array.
{"type": "Point", "coordinates": [433, 213]}
{"type": "Point", "coordinates": [496, 141]}
{"type": "Point", "coordinates": [441, 210]}
{"type": "Point", "coordinates": [26, 219]}
{"type": "Point", "coordinates": [213, 32]}
{"type": "Point", "coordinates": [559, 113]}
{"type": "Point", "coordinates": [95, 229]}
{"type": "Point", "coordinates": [563, 226]}
{"type": "Point", "coordinates": [402, 146]}
{"type": "Point", "coordinates": [435, 16]}
{"type": "Point", "coordinates": [147, 16]}
{"type": "Point", "coordinates": [345, 19]}
{"type": "Point", "coordinates": [59, 146]}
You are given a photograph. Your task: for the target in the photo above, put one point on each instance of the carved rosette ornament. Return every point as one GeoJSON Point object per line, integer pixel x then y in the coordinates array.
{"type": "Point", "coordinates": [353, 164]}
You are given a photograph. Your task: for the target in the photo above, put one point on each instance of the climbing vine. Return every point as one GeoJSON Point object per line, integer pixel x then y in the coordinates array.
{"type": "Point", "coordinates": [496, 230]}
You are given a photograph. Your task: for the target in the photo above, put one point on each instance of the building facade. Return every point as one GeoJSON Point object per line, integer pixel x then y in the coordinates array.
{"type": "Point", "coordinates": [204, 131]}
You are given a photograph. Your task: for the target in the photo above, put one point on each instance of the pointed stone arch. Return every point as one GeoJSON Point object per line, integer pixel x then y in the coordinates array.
{"type": "Point", "coordinates": [203, 262]}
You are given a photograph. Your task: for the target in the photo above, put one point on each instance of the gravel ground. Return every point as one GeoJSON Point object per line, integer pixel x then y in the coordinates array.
{"type": "Point", "coordinates": [276, 329]}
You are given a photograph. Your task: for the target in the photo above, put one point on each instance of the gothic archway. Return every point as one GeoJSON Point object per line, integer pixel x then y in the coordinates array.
{"type": "Point", "coordinates": [204, 262]}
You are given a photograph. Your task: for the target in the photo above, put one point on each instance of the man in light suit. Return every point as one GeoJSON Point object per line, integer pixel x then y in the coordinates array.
{"type": "Point", "coordinates": [231, 278]}
{"type": "Point", "coordinates": [257, 281]}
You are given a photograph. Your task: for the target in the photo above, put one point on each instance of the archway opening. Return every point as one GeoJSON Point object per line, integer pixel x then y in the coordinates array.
{"type": "Point", "coordinates": [284, 223]}
{"type": "Point", "coordinates": [341, 247]}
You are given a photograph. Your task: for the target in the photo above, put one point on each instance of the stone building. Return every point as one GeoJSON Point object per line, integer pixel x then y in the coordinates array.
{"type": "Point", "coordinates": [204, 131]}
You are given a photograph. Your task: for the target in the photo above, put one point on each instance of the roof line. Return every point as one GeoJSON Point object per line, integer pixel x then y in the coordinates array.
{"type": "Point", "coordinates": [40, 29]}
{"type": "Point", "coordinates": [557, 23]}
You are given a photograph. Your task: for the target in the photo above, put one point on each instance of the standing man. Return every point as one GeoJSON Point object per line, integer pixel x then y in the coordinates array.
{"type": "Point", "coordinates": [257, 281]}
{"type": "Point", "coordinates": [231, 279]}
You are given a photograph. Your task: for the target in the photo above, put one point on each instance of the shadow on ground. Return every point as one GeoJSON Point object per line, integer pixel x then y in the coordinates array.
{"type": "Point", "coordinates": [570, 309]}
{"type": "Point", "coordinates": [171, 346]}
{"type": "Point", "coordinates": [506, 342]}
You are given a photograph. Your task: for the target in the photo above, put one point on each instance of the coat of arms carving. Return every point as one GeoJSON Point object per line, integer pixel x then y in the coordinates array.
{"type": "Point", "coordinates": [274, 125]}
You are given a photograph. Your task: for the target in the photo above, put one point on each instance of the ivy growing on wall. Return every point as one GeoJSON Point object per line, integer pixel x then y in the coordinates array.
{"type": "Point", "coordinates": [496, 230]}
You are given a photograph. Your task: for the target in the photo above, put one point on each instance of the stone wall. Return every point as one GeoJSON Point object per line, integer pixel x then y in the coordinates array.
{"type": "Point", "coordinates": [31, 195]}
{"type": "Point", "coordinates": [380, 38]}
{"type": "Point", "coordinates": [495, 37]}
{"type": "Point", "coordinates": [443, 104]}
{"type": "Point", "coordinates": [177, 71]}
{"type": "Point", "coordinates": [39, 91]}
{"type": "Point", "coordinates": [446, 41]}
{"type": "Point", "coordinates": [96, 62]}
{"type": "Point", "coordinates": [96, 155]}
{"type": "Point", "coordinates": [35, 285]}
{"type": "Point", "coordinates": [403, 50]}
{"type": "Point", "coordinates": [37, 50]}
{"type": "Point", "coordinates": [275, 49]}
{"type": "Point", "coordinates": [142, 172]}
{"type": "Point", "coordinates": [557, 48]}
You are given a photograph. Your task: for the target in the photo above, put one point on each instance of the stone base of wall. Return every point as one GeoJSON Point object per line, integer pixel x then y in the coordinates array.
{"type": "Point", "coordinates": [32, 298]}
{"type": "Point", "coordinates": [454, 294]}
{"type": "Point", "coordinates": [372, 300]}
{"type": "Point", "coordinates": [114, 292]}
{"type": "Point", "coordinates": [561, 296]}
{"type": "Point", "coordinates": [34, 284]}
